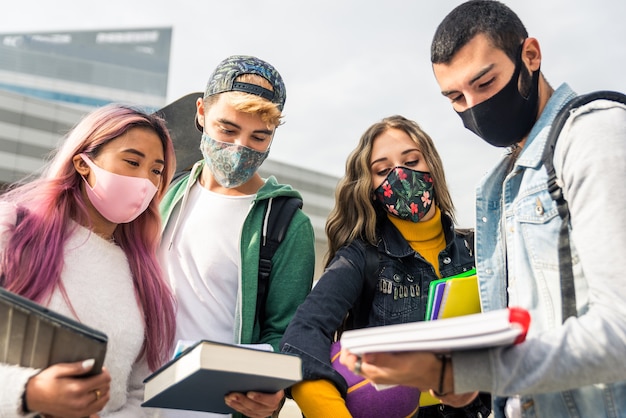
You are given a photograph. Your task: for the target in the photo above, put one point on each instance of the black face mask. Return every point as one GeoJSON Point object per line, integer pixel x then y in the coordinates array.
{"type": "Point", "coordinates": [507, 117]}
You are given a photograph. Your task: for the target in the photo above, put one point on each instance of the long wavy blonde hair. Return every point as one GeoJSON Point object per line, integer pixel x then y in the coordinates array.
{"type": "Point", "coordinates": [355, 214]}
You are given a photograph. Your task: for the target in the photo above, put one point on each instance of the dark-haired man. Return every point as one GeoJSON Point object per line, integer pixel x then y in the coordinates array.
{"type": "Point", "coordinates": [489, 69]}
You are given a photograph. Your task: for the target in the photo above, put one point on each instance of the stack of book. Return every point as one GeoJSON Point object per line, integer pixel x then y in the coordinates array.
{"type": "Point", "coordinates": [453, 296]}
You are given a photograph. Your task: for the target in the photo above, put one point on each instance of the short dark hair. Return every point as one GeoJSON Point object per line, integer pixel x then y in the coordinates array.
{"type": "Point", "coordinates": [489, 17]}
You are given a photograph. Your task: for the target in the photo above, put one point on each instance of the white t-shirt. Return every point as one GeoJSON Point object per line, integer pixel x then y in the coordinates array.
{"type": "Point", "coordinates": [203, 266]}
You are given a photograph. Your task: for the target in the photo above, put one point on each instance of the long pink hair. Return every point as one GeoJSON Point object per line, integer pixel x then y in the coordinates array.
{"type": "Point", "coordinates": [33, 258]}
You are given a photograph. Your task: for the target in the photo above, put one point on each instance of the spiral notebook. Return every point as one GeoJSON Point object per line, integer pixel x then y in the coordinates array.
{"type": "Point", "coordinates": [34, 336]}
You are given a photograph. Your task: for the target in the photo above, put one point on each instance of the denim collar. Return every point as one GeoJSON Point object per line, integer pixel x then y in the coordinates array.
{"type": "Point", "coordinates": [531, 154]}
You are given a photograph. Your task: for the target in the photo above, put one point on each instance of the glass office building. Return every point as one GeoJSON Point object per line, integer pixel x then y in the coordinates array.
{"type": "Point", "coordinates": [49, 80]}
{"type": "Point", "coordinates": [88, 68]}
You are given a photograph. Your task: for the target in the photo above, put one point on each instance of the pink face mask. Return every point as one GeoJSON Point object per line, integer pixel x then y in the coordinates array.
{"type": "Point", "coordinates": [118, 198]}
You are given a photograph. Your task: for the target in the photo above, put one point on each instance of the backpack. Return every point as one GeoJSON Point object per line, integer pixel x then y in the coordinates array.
{"type": "Point", "coordinates": [568, 292]}
{"type": "Point", "coordinates": [277, 218]}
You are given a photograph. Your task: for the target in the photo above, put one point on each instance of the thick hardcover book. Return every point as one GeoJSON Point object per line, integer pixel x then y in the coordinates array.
{"type": "Point", "coordinates": [200, 377]}
{"type": "Point", "coordinates": [34, 336]}
{"type": "Point", "coordinates": [490, 329]}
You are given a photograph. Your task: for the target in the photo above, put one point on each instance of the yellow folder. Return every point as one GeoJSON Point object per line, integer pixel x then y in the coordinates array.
{"type": "Point", "coordinates": [460, 297]}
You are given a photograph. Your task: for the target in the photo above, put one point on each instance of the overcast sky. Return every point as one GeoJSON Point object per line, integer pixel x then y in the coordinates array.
{"type": "Point", "coordinates": [347, 64]}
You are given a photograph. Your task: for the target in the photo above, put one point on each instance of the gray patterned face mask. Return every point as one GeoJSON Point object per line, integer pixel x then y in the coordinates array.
{"type": "Point", "coordinates": [231, 164]}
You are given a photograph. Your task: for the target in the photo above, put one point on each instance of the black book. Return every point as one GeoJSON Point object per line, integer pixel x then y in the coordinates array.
{"type": "Point", "coordinates": [200, 377]}
{"type": "Point", "coordinates": [33, 336]}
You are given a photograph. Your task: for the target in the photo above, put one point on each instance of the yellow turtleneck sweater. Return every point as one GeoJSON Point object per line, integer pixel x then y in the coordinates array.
{"type": "Point", "coordinates": [425, 237]}
{"type": "Point", "coordinates": [320, 398]}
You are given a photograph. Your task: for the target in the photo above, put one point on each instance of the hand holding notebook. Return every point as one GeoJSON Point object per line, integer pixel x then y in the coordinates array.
{"type": "Point", "coordinates": [481, 330]}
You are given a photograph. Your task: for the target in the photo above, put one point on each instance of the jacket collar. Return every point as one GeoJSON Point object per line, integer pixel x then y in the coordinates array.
{"type": "Point", "coordinates": [532, 152]}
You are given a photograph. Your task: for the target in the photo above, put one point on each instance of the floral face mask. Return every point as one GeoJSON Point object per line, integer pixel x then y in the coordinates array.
{"type": "Point", "coordinates": [406, 194]}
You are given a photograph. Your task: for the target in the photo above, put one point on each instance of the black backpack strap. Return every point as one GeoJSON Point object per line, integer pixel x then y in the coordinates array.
{"type": "Point", "coordinates": [278, 214]}
{"type": "Point", "coordinates": [568, 291]}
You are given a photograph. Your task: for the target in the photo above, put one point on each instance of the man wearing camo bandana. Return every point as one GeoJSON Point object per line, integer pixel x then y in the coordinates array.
{"type": "Point", "coordinates": [213, 217]}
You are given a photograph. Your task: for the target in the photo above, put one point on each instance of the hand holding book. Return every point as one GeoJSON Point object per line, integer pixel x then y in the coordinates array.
{"type": "Point", "coordinates": [454, 297]}
{"type": "Point", "coordinates": [70, 354]}
{"type": "Point", "coordinates": [408, 354]}
{"type": "Point", "coordinates": [202, 374]}
{"type": "Point", "coordinates": [33, 336]}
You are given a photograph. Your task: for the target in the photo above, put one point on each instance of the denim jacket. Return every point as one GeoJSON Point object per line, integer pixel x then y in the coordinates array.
{"type": "Point", "coordinates": [400, 294]}
{"type": "Point", "coordinates": [570, 369]}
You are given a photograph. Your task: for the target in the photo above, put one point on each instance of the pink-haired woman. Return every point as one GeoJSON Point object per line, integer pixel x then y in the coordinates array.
{"type": "Point", "coordinates": [81, 239]}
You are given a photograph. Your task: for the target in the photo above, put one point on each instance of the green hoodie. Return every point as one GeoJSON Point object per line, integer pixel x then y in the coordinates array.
{"type": "Point", "coordinates": [293, 263]}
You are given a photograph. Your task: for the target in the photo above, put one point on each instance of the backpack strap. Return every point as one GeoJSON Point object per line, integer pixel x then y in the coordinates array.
{"type": "Point", "coordinates": [278, 214]}
{"type": "Point", "coordinates": [568, 291]}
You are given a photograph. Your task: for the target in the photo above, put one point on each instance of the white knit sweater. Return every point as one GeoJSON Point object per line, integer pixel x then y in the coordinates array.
{"type": "Point", "coordinates": [99, 284]}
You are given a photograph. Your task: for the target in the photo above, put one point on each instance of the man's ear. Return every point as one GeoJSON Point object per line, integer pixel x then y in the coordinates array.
{"type": "Point", "coordinates": [200, 111]}
{"type": "Point", "coordinates": [80, 165]}
{"type": "Point", "coordinates": [531, 54]}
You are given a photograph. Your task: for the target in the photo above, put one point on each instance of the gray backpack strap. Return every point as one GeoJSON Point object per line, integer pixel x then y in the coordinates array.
{"type": "Point", "coordinates": [568, 291]}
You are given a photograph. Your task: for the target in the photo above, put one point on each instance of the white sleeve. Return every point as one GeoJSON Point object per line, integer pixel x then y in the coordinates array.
{"type": "Point", "coordinates": [14, 379]}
